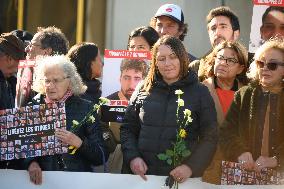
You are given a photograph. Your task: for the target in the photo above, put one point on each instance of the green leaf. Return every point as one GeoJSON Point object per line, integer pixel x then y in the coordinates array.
{"type": "Point", "coordinates": [163, 156]}
{"type": "Point", "coordinates": [169, 152]}
{"type": "Point", "coordinates": [169, 161]}
{"type": "Point", "coordinates": [186, 153]}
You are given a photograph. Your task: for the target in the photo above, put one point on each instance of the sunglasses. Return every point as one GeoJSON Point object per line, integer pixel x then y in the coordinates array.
{"type": "Point", "coordinates": [270, 65]}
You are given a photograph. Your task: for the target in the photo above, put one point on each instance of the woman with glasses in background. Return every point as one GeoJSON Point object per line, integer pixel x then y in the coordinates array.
{"type": "Point", "coordinates": [252, 132]}
{"type": "Point", "coordinates": [225, 75]}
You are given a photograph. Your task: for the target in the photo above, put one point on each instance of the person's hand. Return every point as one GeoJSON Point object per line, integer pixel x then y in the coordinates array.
{"type": "Point", "coordinates": [35, 173]}
{"type": "Point", "coordinates": [181, 173]}
{"type": "Point", "coordinates": [247, 160]}
{"type": "Point", "coordinates": [265, 162]}
{"type": "Point", "coordinates": [139, 167]}
{"type": "Point", "coordinates": [68, 137]}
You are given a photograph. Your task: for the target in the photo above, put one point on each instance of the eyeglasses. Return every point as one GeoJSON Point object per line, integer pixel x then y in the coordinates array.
{"type": "Point", "coordinates": [54, 81]}
{"type": "Point", "coordinates": [229, 61]}
{"type": "Point", "coordinates": [270, 65]}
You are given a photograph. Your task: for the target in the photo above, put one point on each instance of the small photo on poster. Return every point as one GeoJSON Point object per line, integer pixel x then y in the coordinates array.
{"type": "Point", "coordinates": [267, 22]}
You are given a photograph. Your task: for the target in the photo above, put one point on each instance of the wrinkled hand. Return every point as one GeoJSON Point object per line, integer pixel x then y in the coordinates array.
{"type": "Point", "coordinates": [265, 162]}
{"type": "Point", "coordinates": [181, 173]}
{"type": "Point", "coordinates": [68, 137]}
{"type": "Point", "coordinates": [139, 167]}
{"type": "Point", "coordinates": [247, 160]}
{"type": "Point", "coordinates": [35, 173]}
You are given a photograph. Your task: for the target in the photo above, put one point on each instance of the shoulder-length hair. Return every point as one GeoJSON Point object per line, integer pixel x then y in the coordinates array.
{"type": "Point", "coordinates": [61, 62]}
{"type": "Point", "coordinates": [178, 48]}
{"type": "Point", "coordinates": [242, 56]}
{"type": "Point", "coordinates": [82, 55]}
{"type": "Point", "coordinates": [274, 43]}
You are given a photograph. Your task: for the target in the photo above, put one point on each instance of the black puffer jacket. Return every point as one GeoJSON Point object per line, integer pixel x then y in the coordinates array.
{"type": "Point", "coordinates": [93, 92]}
{"type": "Point", "coordinates": [92, 150]}
{"type": "Point", "coordinates": [150, 125]}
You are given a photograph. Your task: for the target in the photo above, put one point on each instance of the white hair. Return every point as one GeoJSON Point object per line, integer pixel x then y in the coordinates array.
{"type": "Point", "coordinates": [69, 69]}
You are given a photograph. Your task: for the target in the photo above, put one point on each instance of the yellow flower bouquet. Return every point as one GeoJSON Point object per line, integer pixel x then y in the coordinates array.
{"type": "Point", "coordinates": [179, 152]}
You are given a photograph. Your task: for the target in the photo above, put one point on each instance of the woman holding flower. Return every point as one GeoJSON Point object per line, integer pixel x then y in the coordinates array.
{"type": "Point", "coordinates": [252, 132]}
{"type": "Point", "coordinates": [155, 114]}
{"type": "Point", "coordinates": [58, 81]}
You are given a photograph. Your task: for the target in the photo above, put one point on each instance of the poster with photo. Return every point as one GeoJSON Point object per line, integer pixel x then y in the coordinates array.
{"type": "Point", "coordinates": [29, 131]}
{"type": "Point", "coordinates": [261, 32]}
{"type": "Point", "coordinates": [234, 174]}
{"type": "Point", "coordinates": [122, 71]}
{"type": "Point", "coordinates": [24, 82]}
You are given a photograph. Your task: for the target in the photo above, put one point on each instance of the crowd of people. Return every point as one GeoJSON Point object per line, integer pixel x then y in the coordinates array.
{"type": "Point", "coordinates": [236, 103]}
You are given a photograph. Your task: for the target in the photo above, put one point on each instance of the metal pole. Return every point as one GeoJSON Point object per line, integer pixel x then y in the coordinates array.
{"type": "Point", "coordinates": [80, 21]}
{"type": "Point", "coordinates": [20, 19]}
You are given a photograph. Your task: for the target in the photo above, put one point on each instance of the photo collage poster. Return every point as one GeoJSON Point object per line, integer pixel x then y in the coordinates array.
{"type": "Point", "coordinates": [24, 81]}
{"type": "Point", "coordinates": [29, 131]}
{"type": "Point", "coordinates": [234, 174]}
{"type": "Point", "coordinates": [257, 38]}
{"type": "Point", "coordinates": [112, 84]}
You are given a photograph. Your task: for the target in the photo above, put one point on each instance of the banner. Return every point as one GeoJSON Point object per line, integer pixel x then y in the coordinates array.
{"type": "Point", "coordinates": [29, 131]}
{"type": "Point", "coordinates": [269, 2]}
{"type": "Point", "coordinates": [234, 174]}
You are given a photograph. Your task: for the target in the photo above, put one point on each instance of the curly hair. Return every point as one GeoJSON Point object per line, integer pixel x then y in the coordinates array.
{"type": "Point", "coordinates": [61, 62]}
{"type": "Point", "coordinates": [276, 43]}
{"type": "Point", "coordinates": [178, 48]}
{"type": "Point", "coordinates": [82, 55]}
{"type": "Point", "coordinates": [54, 38]}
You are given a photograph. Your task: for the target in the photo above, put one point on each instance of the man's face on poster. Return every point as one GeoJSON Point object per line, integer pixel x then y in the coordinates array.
{"type": "Point", "coordinates": [273, 25]}
{"type": "Point", "coordinates": [129, 79]}
{"type": "Point", "coordinates": [220, 29]}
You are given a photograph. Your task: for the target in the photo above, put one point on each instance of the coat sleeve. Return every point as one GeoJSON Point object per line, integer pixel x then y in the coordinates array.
{"type": "Point", "coordinates": [231, 143]}
{"type": "Point", "coordinates": [93, 148]}
{"type": "Point", "coordinates": [208, 138]}
{"type": "Point", "coordinates": [129, 130]}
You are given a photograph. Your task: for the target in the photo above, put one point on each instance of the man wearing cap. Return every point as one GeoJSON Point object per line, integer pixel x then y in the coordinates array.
{"type": "Point", "coordinates": [169, 20]}
{"type": "Point", "coordinates": [222, 24]}
{"type": "Point", "coordinates": [12, 50]}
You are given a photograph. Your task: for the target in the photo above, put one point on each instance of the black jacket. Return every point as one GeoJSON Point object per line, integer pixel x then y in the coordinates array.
{"type": "Point", "coordinates": [93, 92]}
{"type": "Point", "coordinates": [92, 150]}
{"type": "Point", "coordinates": [150, 125]}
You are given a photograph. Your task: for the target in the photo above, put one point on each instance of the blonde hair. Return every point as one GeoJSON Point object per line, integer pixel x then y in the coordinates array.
{"type": "Point", "coordinates": [274, 43]}
{"type": "Point", "coordinates": [69, 69]}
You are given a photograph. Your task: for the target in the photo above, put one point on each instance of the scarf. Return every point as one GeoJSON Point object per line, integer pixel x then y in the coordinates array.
{"type": "Point", "coordinates": [62, 100]}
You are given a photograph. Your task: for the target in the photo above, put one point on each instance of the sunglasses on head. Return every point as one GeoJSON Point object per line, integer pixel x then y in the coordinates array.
{"type": "Point", "coordinates": [270, 65]}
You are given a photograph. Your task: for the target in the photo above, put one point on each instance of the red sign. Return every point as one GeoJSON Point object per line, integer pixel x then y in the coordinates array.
{"type": "Point", "coordinates": [269, 2]}
{"type": "Point", "coordinates": [127, 54]}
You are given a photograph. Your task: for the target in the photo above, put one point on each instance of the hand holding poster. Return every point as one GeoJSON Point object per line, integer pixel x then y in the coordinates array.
{"type": "Point", "coordinates": [29, 131]}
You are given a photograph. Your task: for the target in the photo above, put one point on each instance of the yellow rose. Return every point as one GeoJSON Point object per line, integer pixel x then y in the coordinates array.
{"type": "Point", "coordinates": [182, 133]}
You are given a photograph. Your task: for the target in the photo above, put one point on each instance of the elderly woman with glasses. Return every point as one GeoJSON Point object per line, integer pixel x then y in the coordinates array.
{"type": "Point", "coordinates": [252, 132]}
{"type": "Point", "coordinates": [58, 81]}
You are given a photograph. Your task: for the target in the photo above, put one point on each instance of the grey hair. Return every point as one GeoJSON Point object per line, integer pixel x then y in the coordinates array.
{"type": "Point", "coordinates": [274, 43]}
{"type": "Point", "coordinates": [69, 69]}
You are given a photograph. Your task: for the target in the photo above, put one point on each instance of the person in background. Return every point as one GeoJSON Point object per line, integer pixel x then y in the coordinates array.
{"type": "Point", "coordinates": [142, 39]}
{"type": "Point", "coordinates": [12, 50]}
{"type": "Point", "coordinates": [222, 25]}
{"type": "Point", "coordinates": [226, 73]}
{"type": "Point", "coordinates": [58, 81]}
{"type": "Point", "coordinates": [87, 59]}
{"type": "Point", "coordinates": [169, 20]}
{"type": "Point", "coordinates": [47, 41]}
{"type": "Point", "coordinates": [252, 132]}
{"type": "Point", "coordinates": [144, 136]}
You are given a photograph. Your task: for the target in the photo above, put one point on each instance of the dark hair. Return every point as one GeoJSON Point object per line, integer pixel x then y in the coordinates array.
{"type": "Point", "coordinates": [178, 48]}
{"type": "Point", "coordinates": [182, 27]}
{"type": "Point", "coordinates": [82, 55]}
{"type": "Point", "coordinates": [23, 35]}
{"type": "Point", "coordinates": [148, 33]}
{"type": "Point", "coordinates": [135, 64]}
{"type": "Point", "coordinates": [52, 37]}
{"type": "Point", "coordinates": [227, 12]}
{"type": "Point", "coordinates": [269, 9]}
